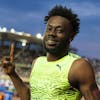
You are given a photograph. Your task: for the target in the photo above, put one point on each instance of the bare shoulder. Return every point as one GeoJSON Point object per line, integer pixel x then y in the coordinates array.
{"type": "Point", "coordinates": [82, 67]}
{"type": "Point", "coordinates": [81, 71]}
{"type": "Point", "coordinates": [82, 77]}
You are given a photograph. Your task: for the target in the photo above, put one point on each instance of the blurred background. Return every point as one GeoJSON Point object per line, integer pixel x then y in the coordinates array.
{"type": "Point", "coordinates": [22, 22]}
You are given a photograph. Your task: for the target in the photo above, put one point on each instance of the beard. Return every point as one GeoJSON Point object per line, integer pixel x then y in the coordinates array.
{"type": "Point", "coordinates": [57, 50]}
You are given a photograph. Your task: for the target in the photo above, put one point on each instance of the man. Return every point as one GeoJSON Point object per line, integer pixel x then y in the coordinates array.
{"type": "Point", "coordinates": [60, 75]}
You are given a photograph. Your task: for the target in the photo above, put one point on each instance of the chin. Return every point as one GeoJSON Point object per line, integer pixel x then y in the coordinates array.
{"type": "Point", "coordinates": [55, 51]}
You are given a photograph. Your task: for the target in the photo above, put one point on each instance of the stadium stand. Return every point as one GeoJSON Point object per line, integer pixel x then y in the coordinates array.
{"type": "Point", "coordinates": [27, 48]}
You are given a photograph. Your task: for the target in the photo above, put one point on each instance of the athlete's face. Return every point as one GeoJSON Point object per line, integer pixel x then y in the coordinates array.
{"type": "Point", "coordinates": [56, 37]}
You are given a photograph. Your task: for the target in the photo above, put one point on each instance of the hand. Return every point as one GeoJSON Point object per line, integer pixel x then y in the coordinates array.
{"type": "Point", "coordinates": [8, 62]}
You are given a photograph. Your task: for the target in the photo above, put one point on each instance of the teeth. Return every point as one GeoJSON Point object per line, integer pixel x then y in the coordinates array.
{"type": "Point", "coordinates": [51, 42]}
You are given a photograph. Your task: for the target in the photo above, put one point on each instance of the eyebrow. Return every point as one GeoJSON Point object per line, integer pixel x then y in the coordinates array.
{"type": "Point", "coordinates": [59, 26]}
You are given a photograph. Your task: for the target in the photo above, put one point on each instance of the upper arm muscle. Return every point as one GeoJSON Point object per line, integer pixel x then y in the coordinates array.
{"type": "Point", "coordinates": [87, 82]}
{"type": "Point", "coordinates": [82, 73]}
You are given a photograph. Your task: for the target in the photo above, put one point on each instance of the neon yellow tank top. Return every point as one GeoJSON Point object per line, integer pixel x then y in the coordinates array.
{"type": "Point", "coordinates": [49, 80]}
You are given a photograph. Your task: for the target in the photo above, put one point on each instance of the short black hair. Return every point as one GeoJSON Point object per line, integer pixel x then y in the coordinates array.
{"type": "Point", "coordinates": [59, 10]}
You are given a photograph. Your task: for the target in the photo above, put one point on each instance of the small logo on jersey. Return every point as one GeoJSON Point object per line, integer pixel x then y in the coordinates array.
{"type": "Point", "coordinates": [58, 66]}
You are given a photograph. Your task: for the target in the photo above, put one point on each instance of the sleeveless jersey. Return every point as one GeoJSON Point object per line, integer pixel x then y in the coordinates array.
{"type": "Point", "coordinates": [49, 80]}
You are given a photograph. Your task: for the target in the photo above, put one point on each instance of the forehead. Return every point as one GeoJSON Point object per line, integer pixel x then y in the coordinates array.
{"type": "Point", "coordinates": [58, 21]}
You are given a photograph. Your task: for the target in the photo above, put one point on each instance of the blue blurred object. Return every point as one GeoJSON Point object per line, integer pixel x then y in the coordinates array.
{"type": "Point", "coordinates": [2, 88]}
{"type": "Point", "coordinates": [8, 95]}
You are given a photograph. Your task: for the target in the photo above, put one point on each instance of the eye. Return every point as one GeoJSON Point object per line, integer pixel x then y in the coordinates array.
{"type": "Point", "coordinates": [60, 31]}
{"type": "Point", "coordinates": [48, 29]}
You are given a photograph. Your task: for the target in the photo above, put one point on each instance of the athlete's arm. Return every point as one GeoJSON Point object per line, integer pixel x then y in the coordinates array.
{"type": "Point", "coordinates": [22, 89]}
{"type": "Point", "coordinates": [85, 79]}
{"type": "Point", "coordinates": [9, 68]}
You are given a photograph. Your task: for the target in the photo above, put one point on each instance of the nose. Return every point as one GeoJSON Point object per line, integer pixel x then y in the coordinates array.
{"type": "Point", "coordinates": [52, 32]}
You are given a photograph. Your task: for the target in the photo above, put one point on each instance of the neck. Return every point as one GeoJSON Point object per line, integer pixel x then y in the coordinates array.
{"type": "Point", "coordinates": [54, 57]}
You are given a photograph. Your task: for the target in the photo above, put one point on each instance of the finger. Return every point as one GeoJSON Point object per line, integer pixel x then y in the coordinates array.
{"type": "Point", "coordinates": [4, 59]}
{"type": "Point", "coordinates": [12, 52]}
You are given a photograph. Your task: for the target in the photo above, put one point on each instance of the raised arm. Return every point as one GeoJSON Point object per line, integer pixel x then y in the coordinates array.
{"type": "Point", "coordinates": [9, 68]}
